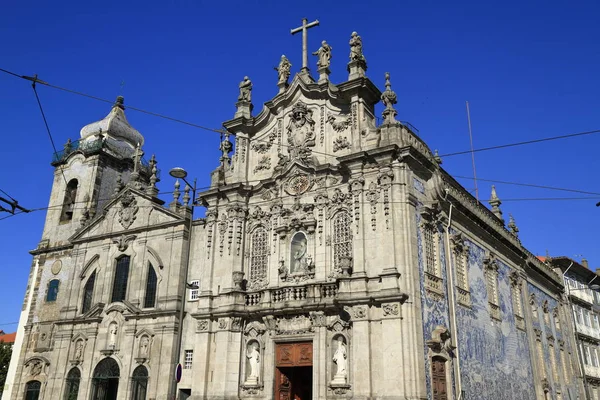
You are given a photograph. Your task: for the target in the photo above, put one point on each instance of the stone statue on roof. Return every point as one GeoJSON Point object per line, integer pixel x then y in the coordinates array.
{"type": "Point", "coordinates": [283, 70]}
{"type": "Point", "coordinates": [356, 50]}
{"type": "Point", "coordinates": [324, 54]}
{"type": "Point", "coordinates": [245, 90]}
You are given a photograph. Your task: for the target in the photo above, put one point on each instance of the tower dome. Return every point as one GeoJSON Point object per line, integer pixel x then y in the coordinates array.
{"type": "Point", "coordinates": [114, 126]}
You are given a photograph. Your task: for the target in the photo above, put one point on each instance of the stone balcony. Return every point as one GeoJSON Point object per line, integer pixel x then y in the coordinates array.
{"type": "Point", "coordinates": [590, 370]}
{"type": "Point", "coordinates": [587, 330]}
{"type": "Point", "coordinates": [292, 296]}
{"type": "Point", "coordinates": [583, 295]}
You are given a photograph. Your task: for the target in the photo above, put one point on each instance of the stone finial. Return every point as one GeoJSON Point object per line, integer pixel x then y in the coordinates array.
{"type": "Point", "coordinates": [512, 226]}
{"type": "Point", "coordinates": [495, 203]}
{"type": "Point", "coordinates": [358, 64]}
{"type": "Point", "coordinates": [283, 72]}
{"type": "Point", "coordinates": [226, 147]}
{"type": "Point", "coordinates": [120, 102]}
{"type": "Point", "coordinates": [176, 193]}
{"type": "Point", "coordinates": [186, 195]}
{"type": "Point", "coordinates": [244, 103]}
{"type": "Point", "coordinates": [152, 190]}
{"type": "Point", "coordinates": [388, 97]}
{"type": "Point", "coordinates": [437, 158]}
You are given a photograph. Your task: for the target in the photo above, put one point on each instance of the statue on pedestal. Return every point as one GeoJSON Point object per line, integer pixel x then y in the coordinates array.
{"type": "Point", "coordinates": [245, 90]}
{"type": "Point", "coordinates": [324, 54]}
{"type": "Point", "coordinates": [356, 53]}
{"type": "Point", "coordinates": [340, 359]}
{"type": "Point", "coordinates": [283, 70]}
{"type": "Point", "coordinates": [253, 356]}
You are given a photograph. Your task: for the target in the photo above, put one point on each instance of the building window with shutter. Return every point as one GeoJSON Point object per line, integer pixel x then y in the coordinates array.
{"type": "Point", "coordinates": [52, 293]}
{"type": "Point", "coordinates": [460, 253]}
{"type": "Point", "coordinates": [194, 293]}
{"type": "Point", "coordinates": [120, 279]}
{"type": "Point", "coordinates": [490, 265]}
{"type": "Point", "coordinates": [259, 258]}
{"type": "Point", "coordinates": [430, 239]}
{"type": "Point", "coordinates": [341, 241]}
{"type": "Point", "coordinates": [188, 360]}
{"type": "Point", "coordinates": [516, 284]}
{"type": "Point", "coordinates": [151, 283]}
{"type": "Point", "coordinates": [88, 293]}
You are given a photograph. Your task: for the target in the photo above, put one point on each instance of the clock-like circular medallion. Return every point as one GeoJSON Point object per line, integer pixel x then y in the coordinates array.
{"type": "Point", "coordinates": [297, 185]}
{"type": "Point", "coordinates": [56, 267]}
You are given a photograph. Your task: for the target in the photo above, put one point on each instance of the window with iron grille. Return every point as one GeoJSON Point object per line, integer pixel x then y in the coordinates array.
{"type": "Point", "coordinates": [194, 293]}
{"type": "Point", "coordinates": [259, 254]}
{"type": "Point", "coordinates": [139, 383]}
{"type": "Point", "coordinates": [120, 281]}
{"type": "Point", "coordinates": [491, 280]}
{"type": "Point", "coordinates": [150, 298]}
{"type": "Point", "coordinates": [52, 290]}
{"type": "Point", "coordinates": [342, 238]}
{"type": "Point", "coordinates": [430, 247]}
{"type": "Point", "coordinates": [516, 298]}
{"type": "Point", "coordinates": [88, 292]}
{"type": "Point", "coordinates": [461, 269]}
{"type": "Point", "coordinates": [189, 358]}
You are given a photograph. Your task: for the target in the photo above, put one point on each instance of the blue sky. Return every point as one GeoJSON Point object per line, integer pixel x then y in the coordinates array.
{"type": "Point", "coordinates": [528, 69]}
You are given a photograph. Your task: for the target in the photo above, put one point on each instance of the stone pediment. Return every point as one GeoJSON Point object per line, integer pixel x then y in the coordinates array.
{"type": "Point", "coordinates": [129, 211]}
{"type": "Point", "coordinates": [94, 312]}
{"type": "Point", "coordinates": [123, 307]}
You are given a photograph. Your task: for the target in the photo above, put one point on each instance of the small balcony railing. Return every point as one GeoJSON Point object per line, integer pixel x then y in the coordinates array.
{"type": "Point", "coordinates": [590, 370]}
{"type": "Point", "coordinates": [314, 292]}
{"type": "Point", "coordinates": [587, 330]}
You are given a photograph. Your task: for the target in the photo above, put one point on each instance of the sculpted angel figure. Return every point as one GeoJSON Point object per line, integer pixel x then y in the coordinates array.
{"type": "Point", "coordinates": [245, 90]}
{"type": "Point", "coordinates": [356, 52]}
{"type": "Point", "coordinates": [324, 54]}
{"type": "Point", "coordinates": [283, 70]}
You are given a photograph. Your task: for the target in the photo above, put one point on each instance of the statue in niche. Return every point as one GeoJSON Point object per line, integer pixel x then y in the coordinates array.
{"type": "Point", "coordinates": [340, 359]}
{"type": "Point", "coordinates": [298, 253]}
{"type": "Point", "coordinates": [253, 356]}
{"type": "Point", "coordinates": [112, 338]}
{"type": "Point", "coordinates": [324, 54]}
{"type": "Point", "coordinates": [144, 345]}
{"type": "Point", "coordinates": [79, 350]}
{"type": "Point", "coordinates": [300, 131]}
{"type": "Point", "coordinates": [356, 51]}
{"type": "Point", "coordinates": [36, 368]}
{"type": "Point", "coordinates": [245, 90]}
{"type": "Point", "coordinates": [283, 70]}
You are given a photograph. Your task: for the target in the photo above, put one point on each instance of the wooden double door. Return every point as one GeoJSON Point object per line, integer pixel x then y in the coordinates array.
{"type": "Point", "coordinates": [293, 371]}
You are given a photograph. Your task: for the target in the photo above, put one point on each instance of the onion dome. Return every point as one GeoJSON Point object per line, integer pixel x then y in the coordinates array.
{"type": "Point", "coordinates": [114, 126]}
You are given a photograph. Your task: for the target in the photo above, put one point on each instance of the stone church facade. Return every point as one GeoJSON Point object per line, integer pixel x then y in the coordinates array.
{"type": "Point", "coordinates": [337, 259]}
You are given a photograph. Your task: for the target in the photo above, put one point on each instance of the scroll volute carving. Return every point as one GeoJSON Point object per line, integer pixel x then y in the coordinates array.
{"type": "Point", "coordinates": [458, 244]}
{"type": "Point", "coordinates": [490, 262]}
{"type": "Point", "coordinates": [441, 340]}
{"type": "Point", "coordinates": [430, 215]}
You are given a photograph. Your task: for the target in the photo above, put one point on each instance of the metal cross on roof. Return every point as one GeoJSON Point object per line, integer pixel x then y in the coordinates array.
{"type": "Point", "coordinates": [304, 29]}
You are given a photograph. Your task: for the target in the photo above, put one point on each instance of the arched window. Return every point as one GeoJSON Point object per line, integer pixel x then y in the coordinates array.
{"type": "Point", "coordinates": [105, 381]}
{"type": "Point", "coordinates": [72, 388]}
{"type": "Point", "coordinates": [69, 200]}
{"type": "Point", "coordinates": [88, 292]}
{"type": "Point", "coordinates": [139, 381]}
{"type": "Point", "coordinates": [342, 238]}
{"type": "Point", "coordinates": [259, 257]}
{"type": "Point", "coordinates": [32, 390]}
{"type": "Point", "coordinates": [150, 298]}
{"type": "Point", "coordinates": [52, 290]}
{"type": "Point", "coordinates": [120, 282]}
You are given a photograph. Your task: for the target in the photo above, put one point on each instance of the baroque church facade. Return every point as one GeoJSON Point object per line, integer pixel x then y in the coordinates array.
{"type": "Point", "coordinates": [337, 259]}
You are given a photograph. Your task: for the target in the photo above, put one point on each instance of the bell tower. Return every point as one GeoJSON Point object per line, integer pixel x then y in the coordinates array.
{"type": "Point", "coordinates": [89, 171]}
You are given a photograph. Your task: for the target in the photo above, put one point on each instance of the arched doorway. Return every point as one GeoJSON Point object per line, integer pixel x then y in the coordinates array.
{"type": "Point", "coordinates": [32, 390]}
{"type": "Point", "coordinates": [105, 381]}
{"type": "Point", "coordinates": [139, 382]}
{"type": "Point", "coordinates": [72, 387]}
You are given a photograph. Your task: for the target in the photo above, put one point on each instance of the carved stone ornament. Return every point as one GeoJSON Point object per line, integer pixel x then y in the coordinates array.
{"type": "Point", "coordinates": [296, 325]}
{"type": "Point", "coordinates": [129, 209]}
{"type": "Point", "coordinates": [202, 325]}
{"type": "Point", "coordinates": [301, 132]}
{"type": "Point", "coordinates": [56, 267]}
{"type": "Point", "coordinates": [123, 242]}
{"type": "Point", "coordinates": [340, 143]}
{"type": "Point", "coordinates": [390, 309]}
{"type": "Point", "coordinates": [261, 146]}
{"type": "Point", "coordinates": [223, 323]}
{"type": "Point", "coordinates": [297, 184]}
{"type": "Point", "coordinates": [359, 312]}
{"type": "Point", "coordinates": [264, 164]}
{"type": "Point", "coordinates": [341, 125]}
{"type": "Point", "coordinates": [440, 340]}
{"type": "Point", "coordinates": [490, 262]}
{"type": "Point", "coordinates": [35, 368]}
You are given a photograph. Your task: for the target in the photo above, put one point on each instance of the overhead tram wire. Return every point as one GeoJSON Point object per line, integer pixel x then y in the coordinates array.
{"type": "Point", "coordinates": [221, 131]}
{"type": "Point", "coordinates": [528, 185]}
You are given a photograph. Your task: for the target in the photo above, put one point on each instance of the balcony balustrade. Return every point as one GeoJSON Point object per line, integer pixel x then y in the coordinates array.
{"type": "Point", "coordinates": [292, 295]}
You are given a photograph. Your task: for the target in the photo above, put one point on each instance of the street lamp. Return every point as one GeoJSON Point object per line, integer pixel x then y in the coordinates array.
{"type": "Point", "coordinates": [180, 173]}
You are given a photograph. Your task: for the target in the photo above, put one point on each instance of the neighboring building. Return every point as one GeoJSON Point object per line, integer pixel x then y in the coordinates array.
{"type": "Point", "coordinates": [585, 303]}
{"type": "Point", "coordinates": [337, 259]}
{"type": "Point", "coordinates": [8, 338]}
